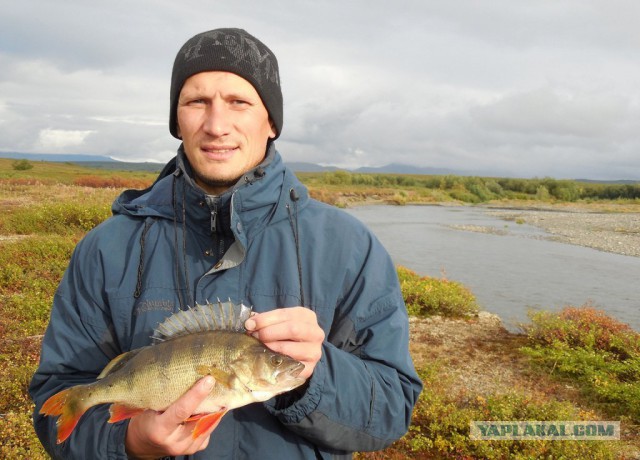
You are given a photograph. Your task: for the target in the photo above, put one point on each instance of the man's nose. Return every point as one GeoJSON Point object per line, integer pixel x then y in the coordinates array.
{"type": "Point", "coordinates": [217, 122]}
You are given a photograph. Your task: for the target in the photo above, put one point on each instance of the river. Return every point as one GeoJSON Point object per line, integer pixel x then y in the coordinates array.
{"type": "Point", "coordinates": [510, 268]}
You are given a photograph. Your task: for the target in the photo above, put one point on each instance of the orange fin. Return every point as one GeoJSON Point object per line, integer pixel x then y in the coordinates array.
{"type": "Point", "coordinates": [66, 405]}
{"type": "Point", "coordinates": [193, 418]}
{"type": "Point", "coordinates": [206, 422]}
{"type": "Point", "coordinates": [121, 412]}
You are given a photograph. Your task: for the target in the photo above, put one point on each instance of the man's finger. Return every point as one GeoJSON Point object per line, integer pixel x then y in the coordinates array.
{"type": "Point", "coordinates": [262, 320]}
{"type": "Point", "coordinates": [279, 315]}
{"type": "Point", "coordinates": [292, 331]}
{"type": "Point", "coordinates": [184, 406]}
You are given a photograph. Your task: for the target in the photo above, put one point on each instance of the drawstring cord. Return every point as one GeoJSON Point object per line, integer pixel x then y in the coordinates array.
{"type": "Point", "coordinates": [182, 298]}
{"type": "Point", "coordinates": [296, 237]}
{"type": "Point", "coordinates": [147, 225]}
{"type": "Point", "coordinates": [184, 243]}
{"type": "Point", "coordinates": [175, 241]}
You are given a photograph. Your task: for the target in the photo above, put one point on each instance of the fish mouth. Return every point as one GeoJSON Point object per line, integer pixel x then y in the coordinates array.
{"type": "Point", "coordinates": [296, 370]}
{"type": "Point", "coordinates": [290, 373]}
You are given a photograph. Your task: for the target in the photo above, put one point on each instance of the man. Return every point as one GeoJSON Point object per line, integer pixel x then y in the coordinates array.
{"type": "Point", "coordinates": [226, 219]}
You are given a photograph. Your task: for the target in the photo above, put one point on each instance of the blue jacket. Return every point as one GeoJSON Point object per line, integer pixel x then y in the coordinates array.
{"type": "Point", "coordinates": [264, 243]}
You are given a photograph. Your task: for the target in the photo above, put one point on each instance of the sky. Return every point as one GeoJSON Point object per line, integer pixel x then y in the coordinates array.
{"type": "Point", "coordinates": [536, 88]}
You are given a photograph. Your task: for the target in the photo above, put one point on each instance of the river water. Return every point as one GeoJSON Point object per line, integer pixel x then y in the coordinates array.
{"type": "Point", "coordinates": [512, 267]}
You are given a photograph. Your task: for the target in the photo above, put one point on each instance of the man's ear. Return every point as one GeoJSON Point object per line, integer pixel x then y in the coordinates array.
{"type": "Point", "coordinates": [178, 131]}
{"type": "Point", "coordinates": [274, 131]}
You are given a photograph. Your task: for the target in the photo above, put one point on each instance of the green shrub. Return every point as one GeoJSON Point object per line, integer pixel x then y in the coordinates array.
{"type": "Point", "coordinates": [112, 182]}
{"type": "Point", "coordinates": [478, 187]}
{"type": "Point", "coordinates": [464, 195]}
{"type": "Point", "coordinates": [17, 439]}
{"type": "Point", "coordinates": [22, 165]}
{"type": "Point", "coordinates": [441, 420]}
{"type": "Point", "coordinates": [30, 271]}
{"type": "Point", "coordinates": [56, 218]}
{"type": "Point", "coordinates": [583, 327]}
{"type": "Point", "coordinates": [599, 353]}
{"type": "Point", "coordinates": [338, 178]}
{"type": "Point", "coordinates": [425, 296]}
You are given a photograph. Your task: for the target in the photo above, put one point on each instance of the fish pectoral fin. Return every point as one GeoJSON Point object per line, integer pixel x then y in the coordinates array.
{"type": "Point", "coordinates": [222, 377]}
{"type": "Point", "coordinates": [122, 412]}
{"type": "Point", "coordinates": [207, 422]}
{"type": "Point", "coordinates": [195, 417]}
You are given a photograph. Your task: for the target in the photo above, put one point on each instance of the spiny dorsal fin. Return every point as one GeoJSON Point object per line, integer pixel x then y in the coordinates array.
{"type": "Point", "coordinates": [219, 316]}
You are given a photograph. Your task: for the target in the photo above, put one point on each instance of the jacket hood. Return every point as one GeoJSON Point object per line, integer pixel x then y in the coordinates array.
{"type": "Point", "coordinates": [260, 196]}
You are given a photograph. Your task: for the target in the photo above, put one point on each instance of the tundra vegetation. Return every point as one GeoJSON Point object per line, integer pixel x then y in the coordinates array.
{"type": "Point", "coordinates": [47, 207]}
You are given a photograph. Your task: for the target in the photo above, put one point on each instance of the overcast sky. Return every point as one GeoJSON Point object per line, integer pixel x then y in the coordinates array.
{"type": "Point", "coordinates": [524, 88]}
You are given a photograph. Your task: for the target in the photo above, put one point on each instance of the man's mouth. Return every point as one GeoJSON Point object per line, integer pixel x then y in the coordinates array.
{"type": "Point", "coordinates": [219, 153]}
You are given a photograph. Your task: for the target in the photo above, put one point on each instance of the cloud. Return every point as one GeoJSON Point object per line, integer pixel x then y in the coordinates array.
{"type": "Point", "coordinates": [550, 112]}
{"type": "Point", "coordinates": [57, 140]}
{"type": "Point", "coordinates": [537, 88]}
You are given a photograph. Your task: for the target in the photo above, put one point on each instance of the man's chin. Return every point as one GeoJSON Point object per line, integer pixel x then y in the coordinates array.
{"type": "Point", "coordinates": [216, 185]}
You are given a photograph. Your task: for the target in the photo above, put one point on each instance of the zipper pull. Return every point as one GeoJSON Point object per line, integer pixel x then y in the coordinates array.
{"type": "Point", "coordinates": [214, 219]}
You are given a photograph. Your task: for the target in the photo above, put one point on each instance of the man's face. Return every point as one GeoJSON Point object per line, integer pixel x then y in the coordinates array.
{"type": "Point", "coordinates": [224, 127]}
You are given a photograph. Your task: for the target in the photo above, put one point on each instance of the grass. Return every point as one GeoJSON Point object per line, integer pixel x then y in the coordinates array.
{"type": "Point", "coordinates": [343, 187]}
{"type": "Point", "coordinates": [30, 270]}
{"type": "Point", "coordinates": [54, 173]}
{"type": "Point", "coordinates": [46, 209]}
{"type": "Point", "coordinates": [440, 426]}
{"type": "Point", "coordinates": [579, 347]}
{"type": "Point", "coordinates": [586, 346]}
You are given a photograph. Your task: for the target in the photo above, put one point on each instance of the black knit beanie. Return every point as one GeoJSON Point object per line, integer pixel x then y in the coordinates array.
{"type": "Point", "coordinates": [229, 50]}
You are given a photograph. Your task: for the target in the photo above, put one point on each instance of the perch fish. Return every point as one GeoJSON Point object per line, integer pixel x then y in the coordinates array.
{"type": "Point", "coordinates": [206, 340]}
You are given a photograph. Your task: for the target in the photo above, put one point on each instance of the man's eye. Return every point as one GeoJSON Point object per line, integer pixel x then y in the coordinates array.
{"type": "Point", "coordinates": [239, 102]}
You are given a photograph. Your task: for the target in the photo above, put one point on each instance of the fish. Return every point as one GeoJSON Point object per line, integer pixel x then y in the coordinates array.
{"type": "Point", "coordinates": [209, 339]}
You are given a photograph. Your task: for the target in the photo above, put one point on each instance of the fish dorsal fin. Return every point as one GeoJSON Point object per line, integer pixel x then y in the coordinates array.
{"type": "Point", "coordinates": [219, 316]}
{"type": "Point", "coordinates": [117, 363]}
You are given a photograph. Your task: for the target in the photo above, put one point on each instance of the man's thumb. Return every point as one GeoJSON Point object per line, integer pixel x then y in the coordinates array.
{"type": "Point", "coordinates": [184, 407]}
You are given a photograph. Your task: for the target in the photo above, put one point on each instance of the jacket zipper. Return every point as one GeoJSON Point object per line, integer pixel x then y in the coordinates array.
{"type": "Point", "coordinates": [217, 238]}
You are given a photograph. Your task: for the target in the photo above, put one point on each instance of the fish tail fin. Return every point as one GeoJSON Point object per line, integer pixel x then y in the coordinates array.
{"type": "Point", "coordinates": [206, 422]}
{"type": "Point", "coordinates": [67, 406]}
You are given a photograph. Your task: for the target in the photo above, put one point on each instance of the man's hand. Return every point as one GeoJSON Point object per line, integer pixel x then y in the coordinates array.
{"type": "Point", "coordinates": [291, 331]}
{"type": "Point", "coordinates": [157, 434]}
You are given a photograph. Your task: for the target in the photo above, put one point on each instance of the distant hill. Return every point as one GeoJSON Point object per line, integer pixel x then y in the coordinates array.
{"type": "Point", "coordinates": [309, 167]}
{"type": "Point", "coordinates": [398, 168]}
{"type": "Point", "coordinates": [90, 161]}
{"type": "Point", "coordinates": [105, 162]}
{"type": "Point", "coordinates": [56, 157]}
{"type": "Point", "coordinates": [619, 182]}
{"type": "Point", "coordinates": [393, 168]}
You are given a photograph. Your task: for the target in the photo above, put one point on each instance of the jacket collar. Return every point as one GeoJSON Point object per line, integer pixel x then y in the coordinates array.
{"type": "Point", "coordinates": [262, 195]}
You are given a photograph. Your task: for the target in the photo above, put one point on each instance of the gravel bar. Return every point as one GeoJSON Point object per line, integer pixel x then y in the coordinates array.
{"type": "Point", "coordinates": [618, 233]}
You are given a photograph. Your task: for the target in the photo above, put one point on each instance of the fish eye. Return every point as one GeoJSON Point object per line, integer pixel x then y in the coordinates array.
{"type": "Point", "coordinates": [276, 360]}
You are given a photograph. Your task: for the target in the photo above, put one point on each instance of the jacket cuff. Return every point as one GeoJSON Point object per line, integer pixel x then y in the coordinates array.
{"type": "Point", "coordinates": [117, 435]}
{"type": "Point", "coordinates": [292, 407]}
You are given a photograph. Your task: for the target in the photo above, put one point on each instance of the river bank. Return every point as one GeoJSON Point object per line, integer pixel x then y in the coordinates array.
{"type": "Point", "coordinates": [482, 358]}
{"type": "Point", "coordinates": [606, 226]}
{"type": "Point", "coordinates": [595, 227]}
{"type": "Point", "coordinates": [479, 359]}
